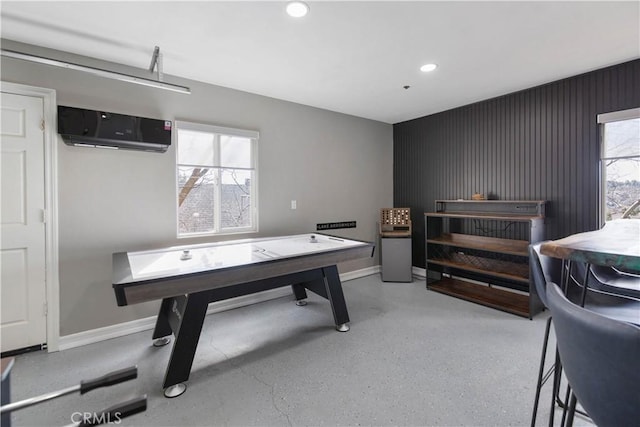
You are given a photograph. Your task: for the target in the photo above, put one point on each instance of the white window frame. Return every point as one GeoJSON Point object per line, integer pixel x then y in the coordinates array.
{"type": "Point", "coordinates": [217, 131]}
{"type": "Point", "coordinates": [615, 116]}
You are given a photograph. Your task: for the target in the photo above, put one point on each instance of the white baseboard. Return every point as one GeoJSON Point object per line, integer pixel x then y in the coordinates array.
{"type": "Point", "coordinates": [121, 329]}
{"type": "Point", "coordinates": [356, 274]}
{"type": "Point", "coordinates": [100, 334]}
{"type": "Point", "coordinates": [419, 272]}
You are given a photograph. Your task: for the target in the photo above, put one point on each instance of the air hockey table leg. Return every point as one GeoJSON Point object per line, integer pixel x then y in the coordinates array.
{"type": "Point", "coordinates": [161, 342]}
{"type": "Point", "coordinates": [336, 298]}
{"type": "Point", "coordinates": [189, 316]}
{"type": "Point", "coordinates": [300, 294]}
{"type": "Point", "coordinates": [175, 390]}
{"type": "Point", "coordinates": [162, 332]}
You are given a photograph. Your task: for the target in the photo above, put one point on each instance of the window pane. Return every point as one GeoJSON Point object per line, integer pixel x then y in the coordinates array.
{"type": "Point", "coordinates": [196, 200]}
{"type": "Point", "coordinates": [216, 170]}
{"type": "Point", "coordinates": [235, 152]}
{"type": "Point", "coordinates": [235, 199]}
{"type": "Point", "coordinates": [622, 186]}
{"type": "Point", "coordinates": [195, 148]}
{"type": "Point", "coordinates": [622, 138]}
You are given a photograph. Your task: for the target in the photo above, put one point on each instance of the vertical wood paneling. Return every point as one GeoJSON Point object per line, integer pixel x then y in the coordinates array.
{"type": "Point", "coordinates": [540, 143]}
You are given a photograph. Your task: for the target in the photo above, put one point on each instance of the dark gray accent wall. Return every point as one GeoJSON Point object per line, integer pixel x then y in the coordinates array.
{"type": "Point", "coordinates": [541, 143]}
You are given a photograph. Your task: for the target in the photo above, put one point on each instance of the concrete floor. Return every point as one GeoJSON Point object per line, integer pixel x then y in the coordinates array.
{"type": "Point", "coordinates": [412, 358]}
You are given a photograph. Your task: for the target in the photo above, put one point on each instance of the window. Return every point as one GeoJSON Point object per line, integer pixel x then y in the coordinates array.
{"type": "Point", "coordinates": [620, 164]}
{"type": "Point", "coordinates": [216, 180]}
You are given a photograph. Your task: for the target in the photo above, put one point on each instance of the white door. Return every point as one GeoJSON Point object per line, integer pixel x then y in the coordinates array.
{"type": "Point", "coordinates": [22, 255]}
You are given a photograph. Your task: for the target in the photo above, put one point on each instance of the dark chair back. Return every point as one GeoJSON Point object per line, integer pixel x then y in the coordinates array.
{"type": "Point", "coordinates": [616, 282]}
{"type": "Point", "coordinates": [600, 357]}
{"type": "Point", "coordinates": [544, 270]}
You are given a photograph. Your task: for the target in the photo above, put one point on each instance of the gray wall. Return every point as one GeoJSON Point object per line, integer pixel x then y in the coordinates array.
{"type": "Point", "coordinates": [337, 167]}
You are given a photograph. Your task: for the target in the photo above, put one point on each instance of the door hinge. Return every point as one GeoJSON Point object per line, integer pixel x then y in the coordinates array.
{"type": "Point", "coordinates": [45, 309]}
{"type": "Point", "coordinates": [43, 213]}
{"type": "Point", "coordinates": [42, 124]}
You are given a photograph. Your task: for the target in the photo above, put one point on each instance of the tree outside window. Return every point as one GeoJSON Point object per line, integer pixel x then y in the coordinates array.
{"type": "Point", "coordinates": [620, 164]}
{"type": "Point", "coordinates": [215, 180]}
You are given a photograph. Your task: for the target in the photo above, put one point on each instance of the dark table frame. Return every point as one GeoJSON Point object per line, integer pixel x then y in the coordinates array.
{"type": "Point", "coordinates": [185, 298]}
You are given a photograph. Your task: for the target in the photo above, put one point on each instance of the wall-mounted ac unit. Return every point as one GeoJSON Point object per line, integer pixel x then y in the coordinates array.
{"type": "Point", "coordinates": [101, 129]}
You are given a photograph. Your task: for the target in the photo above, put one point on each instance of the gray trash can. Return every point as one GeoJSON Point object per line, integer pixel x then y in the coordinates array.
{"type": "Point", "coordinates": [396, 259]}
{"type": "Point", "coordinates": [395, 244]}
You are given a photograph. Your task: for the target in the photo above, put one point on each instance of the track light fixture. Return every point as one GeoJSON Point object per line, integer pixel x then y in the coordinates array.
{"type": "Point", "coordinates": [100, 72]}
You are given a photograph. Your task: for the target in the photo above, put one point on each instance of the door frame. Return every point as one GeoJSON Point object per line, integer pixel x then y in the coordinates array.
{"type": "Point", "coordinates": [52, 283]}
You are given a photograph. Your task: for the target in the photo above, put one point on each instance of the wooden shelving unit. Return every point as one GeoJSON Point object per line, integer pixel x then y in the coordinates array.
{"type": "Point", "coordinates": [494, 244]}
{"type": "Point", "coordinates": [504, 269]}
{"type": "Point", "coordinates": [491, 297]}
{"type": "Point", "coordinates": [478, 251]}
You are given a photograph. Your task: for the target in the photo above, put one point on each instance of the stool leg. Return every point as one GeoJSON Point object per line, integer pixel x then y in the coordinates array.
{"type": "Point", "coordinates": [541, 372]}
{"type": "Point", "coordinates": [556, 386]}
{"type": "Point", "coordinates": [572, 409]}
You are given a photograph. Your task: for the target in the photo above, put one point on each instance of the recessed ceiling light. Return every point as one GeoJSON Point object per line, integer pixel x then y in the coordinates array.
{"type": "Point", "coordinates": [428, 67]}
{"type": "Point", "coordinates": [297, 9]}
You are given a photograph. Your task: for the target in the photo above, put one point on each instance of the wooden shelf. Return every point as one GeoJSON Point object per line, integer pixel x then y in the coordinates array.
{"type": "Point", "coordinates": [488, 241]}
{"type": "Point", "coordinates": [500, 299]}
{"type": "Point", "coordinates": [485, 215]}
{"type": "Point", "coordinates": [493, 244]}
{"type": "Point", "coordinates": [488, 266]}
{"type": "Point", "coordinates": [511, 210]}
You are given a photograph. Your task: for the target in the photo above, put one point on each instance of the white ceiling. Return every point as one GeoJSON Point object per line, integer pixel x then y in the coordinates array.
{"type": "Point", "coordinates": [350, 57]}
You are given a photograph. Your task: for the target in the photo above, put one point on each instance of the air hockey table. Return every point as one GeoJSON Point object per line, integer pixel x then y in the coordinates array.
{"type": "Point", "coordinates": [188, 278]}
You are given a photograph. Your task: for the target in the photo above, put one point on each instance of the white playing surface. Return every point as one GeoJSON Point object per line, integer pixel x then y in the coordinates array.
{"type": "Point", "coordinates": [168, 262]}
